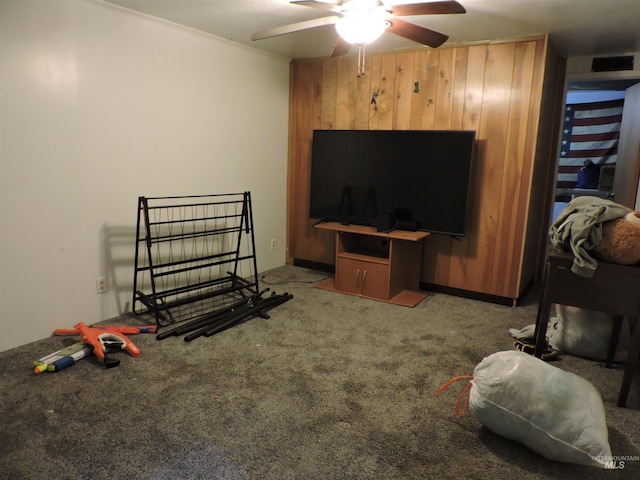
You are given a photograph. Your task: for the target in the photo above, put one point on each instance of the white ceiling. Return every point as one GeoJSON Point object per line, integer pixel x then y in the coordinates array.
{"type": "Point", "coordinates": [577, 27]}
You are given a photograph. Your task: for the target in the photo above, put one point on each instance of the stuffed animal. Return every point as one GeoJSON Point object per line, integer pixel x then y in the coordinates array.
{"type": "Point", "coordinates": [620, 240]}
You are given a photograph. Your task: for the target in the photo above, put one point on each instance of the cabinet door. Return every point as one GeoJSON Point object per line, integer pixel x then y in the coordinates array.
{"type": "Point", "coordinates": [349, 275]}
{"type": "Point", "coordinates": [359, 277]}
{"type": "Point", "coordinates": [375, 281]}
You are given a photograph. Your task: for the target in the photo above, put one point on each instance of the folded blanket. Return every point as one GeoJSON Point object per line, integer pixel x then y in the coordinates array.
{"type": "Point", "coordinates": [578, 228]}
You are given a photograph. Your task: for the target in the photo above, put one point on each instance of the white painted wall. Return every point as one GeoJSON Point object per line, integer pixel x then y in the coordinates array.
{"type": "Point", "coordinates": [579, 68]}
{"type": "Point", "coordinates": [588, 96]}
{"type": "Point", "coordinates": [99, 105]}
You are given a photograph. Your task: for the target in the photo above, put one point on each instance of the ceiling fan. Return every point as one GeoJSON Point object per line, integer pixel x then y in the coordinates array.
{"type": "Point", "coordinates": [360, 22]}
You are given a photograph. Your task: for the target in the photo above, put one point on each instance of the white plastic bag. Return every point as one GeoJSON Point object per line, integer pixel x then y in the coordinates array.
{"type": "Point", "coordinates": [555, 413]}
{"type": "Point", "coordinates": [586, 333]}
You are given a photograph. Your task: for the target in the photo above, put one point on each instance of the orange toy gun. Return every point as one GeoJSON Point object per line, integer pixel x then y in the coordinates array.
{"type": "Point", "coordinates": [101, 337]}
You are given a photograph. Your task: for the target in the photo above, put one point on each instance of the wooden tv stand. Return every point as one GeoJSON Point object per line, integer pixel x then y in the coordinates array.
{"type": "Point", "coordinates": [379, 265]}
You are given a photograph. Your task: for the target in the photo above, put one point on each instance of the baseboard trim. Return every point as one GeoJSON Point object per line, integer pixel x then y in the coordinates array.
{"type": "Point", "coordinates": [322, 267]}
{"type": "Point", "coordinates": [458, 292]}
{"type": "Point", "coordinates": [429, 287]}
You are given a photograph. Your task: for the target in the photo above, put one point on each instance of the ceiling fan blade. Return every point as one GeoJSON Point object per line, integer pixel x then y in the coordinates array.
{"type": "Point", "coordinates": [417, 33]}
{"type": "Point", "coordinates": [295, 27]}
{"type": "Point", "coordinates": [427, 8]}
{"type": "Point", "coordinates": [316, 4]}
{"type": "Point", "coordinates": [342, 47]}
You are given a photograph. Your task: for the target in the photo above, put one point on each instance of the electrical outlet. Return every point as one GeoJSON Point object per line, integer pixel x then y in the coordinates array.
{"type": "Point", "coordinates": [273, 244]}
{"type": "Point", "coordinates": [101, 285]}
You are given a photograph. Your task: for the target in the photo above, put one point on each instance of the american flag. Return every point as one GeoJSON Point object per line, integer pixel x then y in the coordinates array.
{"type": "Point", "coordinates": [590, 131]}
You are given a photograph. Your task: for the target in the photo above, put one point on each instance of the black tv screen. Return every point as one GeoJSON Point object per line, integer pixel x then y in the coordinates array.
{"type": "Point", "coordinates": [419, 178]}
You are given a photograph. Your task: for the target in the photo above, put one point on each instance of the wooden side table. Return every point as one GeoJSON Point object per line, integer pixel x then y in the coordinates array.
{"type": "Point", "coordinates": [613, 289]}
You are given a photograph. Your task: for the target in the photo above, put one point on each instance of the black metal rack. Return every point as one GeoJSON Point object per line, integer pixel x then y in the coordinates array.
{"type": "Point", "coordinates": [194, 255]}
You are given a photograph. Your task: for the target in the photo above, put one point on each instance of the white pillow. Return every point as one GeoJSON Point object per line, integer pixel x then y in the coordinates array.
{"type": "Point", "coordinates": [553, 412]}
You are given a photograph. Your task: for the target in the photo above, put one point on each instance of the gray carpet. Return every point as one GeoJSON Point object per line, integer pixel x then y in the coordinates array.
{"type": "Point", "coordinates": [330, 387]}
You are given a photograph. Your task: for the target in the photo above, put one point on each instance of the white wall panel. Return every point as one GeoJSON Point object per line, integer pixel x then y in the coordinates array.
{"type": "Point", "coordinates": [99, 105]}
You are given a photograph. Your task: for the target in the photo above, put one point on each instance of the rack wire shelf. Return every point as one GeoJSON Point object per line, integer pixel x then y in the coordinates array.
{"type": "Point", "coordinates": [194, 254]}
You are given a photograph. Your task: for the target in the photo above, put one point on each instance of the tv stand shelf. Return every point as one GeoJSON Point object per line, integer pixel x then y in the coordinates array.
{"type": "Point", "coordinates": [378, 265]}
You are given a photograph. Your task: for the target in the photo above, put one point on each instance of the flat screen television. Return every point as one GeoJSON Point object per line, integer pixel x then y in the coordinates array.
{"type": "Point", "coordinates": [417, 178]}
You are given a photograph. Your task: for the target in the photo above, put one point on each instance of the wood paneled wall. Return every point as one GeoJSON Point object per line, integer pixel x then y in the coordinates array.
{"type": "Point", "coordinates": [495, 89]}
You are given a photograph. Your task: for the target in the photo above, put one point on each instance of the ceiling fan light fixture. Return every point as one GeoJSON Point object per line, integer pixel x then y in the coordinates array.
{"type": "Point", "coordinates": [361, 26]}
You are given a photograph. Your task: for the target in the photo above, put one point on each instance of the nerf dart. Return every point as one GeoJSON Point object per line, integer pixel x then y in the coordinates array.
{"type": "Point", "coordinates": [42, 365]}
{"type": "Point", "coordinates": [101, 337]}
{"type": "Point", "coordinates": [69, 360]}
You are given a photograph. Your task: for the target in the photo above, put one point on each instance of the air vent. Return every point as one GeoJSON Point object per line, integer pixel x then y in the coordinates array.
{"type": "Point", "coordinates": [612, 64]}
